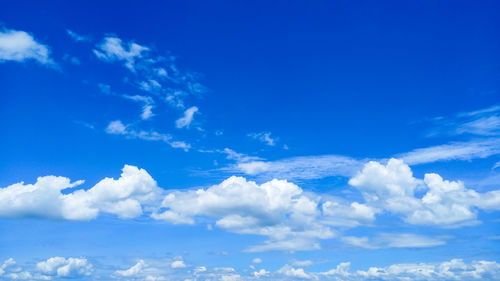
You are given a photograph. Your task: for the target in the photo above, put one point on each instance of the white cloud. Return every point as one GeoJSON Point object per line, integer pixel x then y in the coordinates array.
{"type": "Point", "coordinates": [59, 268]}
{"type": "Point", "coordinates": [485, 126]}
{"type": "Point", "coordinates": [239, 157]}
{"type": "Point", "coordinates": [453, 151]}
{"type": "Point", "coordinates": [62, 267]}
{"type": "Point", "coordinates": [302, 263]}
{"type": "Point", "coordinates": [178, 264]}
{"type": "Point", "coordinates": [394, 240]}
{"type": "Point", "coordinates": [288, 217]}
{"type": "Point", "coordinates": [322, 166]}
{"type": "Point", "coordinates": [455, 269]}
{"type": "Point", "coordinates": [147, 105]}
{"type": "Point", "coordinates": [123, 197]}
{"type": "Point", "coordinates": [19, 46]}
{"type": "Point", "coordinates": [264, 137]}
{"type": "Point", "coordinates": [132, 271]}
{"type": "Point", "coordinates": [257, 260]}
{"type": "Point", "coordinates": [5, 264]}
{"type": "Point", "coordinates": [112, 49]}
{"type": "Point", "coordinates": [76, 37]}
{"type": "Point", "coordinates": [261, 273]}
{"type": "Point", "coordinates": [152, 270]}
{"type": "Point", "coordinates": [496, 165]}
{"type": "Point", "coordinates": [337, 212]}
{"type": "Point", "coordinates": [118, 128]}
{"type": "Point", "coordinates": [294, 272]}
{"type": "Point", "coordinates": [304, 167]}
{"type": "Point", "coordinates": [445, 203]}
{"type": "Point", "coordinates": [276, 209]}
{"type": "Point", "coordinates": [342, 270]}
{"type": "Point", "coordinates": [186, 120]}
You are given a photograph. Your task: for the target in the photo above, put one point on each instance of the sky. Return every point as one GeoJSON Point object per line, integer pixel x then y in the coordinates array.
{"type": "Point", "coordinates": [262, 140]}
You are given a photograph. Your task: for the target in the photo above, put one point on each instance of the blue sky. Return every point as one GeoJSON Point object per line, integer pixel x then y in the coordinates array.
{"type": "Point", "coordinates": [227, 140]}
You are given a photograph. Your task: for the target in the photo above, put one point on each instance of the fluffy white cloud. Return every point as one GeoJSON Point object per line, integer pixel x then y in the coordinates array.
{"type": "Point", "coordinates": [445, 203]}
{"type": "Point", "coordinates": [455, 269]}
{"type": "Point", "coordinates": [276, 209]}
{"type": "Point", "coordinates": [18, 46]}
{"type": "Point", "coordinates": [178, 264]}
{"type": "Point", "coordinates": [123, 197]}
{"type": "Point", "coordinates": [62, 267]}
{"type": "Point", "coordinates": [59, 268]}
{"type": "Point", "coordinates": [261, 273]}
{"type": "Point", "coordinates": [340, 213]}
{"type": "Point", "coordinates": [294, 272]}
{"type": "Point", "coordinates": [186, 120]}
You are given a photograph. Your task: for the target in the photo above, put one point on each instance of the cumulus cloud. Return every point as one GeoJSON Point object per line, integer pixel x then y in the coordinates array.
{"type": "Point", "coordinates": [178, 264]}
{"type": "Point", "coordinates": [153, 269]}
{"type": "Point", "coordinates": [186, 120]}
{"type": "Point", "coordinates": [455, 269]}
{"type": "Point", "coordinates": [288, 217]}
{"type": "Point", "coordinates": [276, 209]}
{"type": "Point", "coordinates": [294, 272]}
{"type": "Point", "coordinates": [62, 267]}
{"type": "Point", "coordinates": [338, 212]}
{"type": "Point", "coordinates": [392, 187]}
{"type": "Point", "coordinates": [16, 45]}
{"type": "Point", "coordinates": [124, 197]}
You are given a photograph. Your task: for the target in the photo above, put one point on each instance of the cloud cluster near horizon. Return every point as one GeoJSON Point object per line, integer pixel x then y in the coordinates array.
{"type": "Point", "coordinates": [290, 218]}
{"type": "Point", "coordinates": [57, 268]}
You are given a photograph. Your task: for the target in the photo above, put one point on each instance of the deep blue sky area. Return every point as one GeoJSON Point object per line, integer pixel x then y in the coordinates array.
{"type": "Point", "coordinates": [195, 92]}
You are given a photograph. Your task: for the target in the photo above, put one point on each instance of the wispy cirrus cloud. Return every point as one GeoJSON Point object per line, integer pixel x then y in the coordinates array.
{"type": "Point", "coordinates": [77, 37]}
{"type": "Point", "coordinates": [479, 148]}
{"type": "Point", "coordinates": [394, 240]}
{"type": "Point", "coordinates": [118, 128]}
{"type": "Point", "coordinates": [188, 117]}
{"type": "Point", "coordinates": [482, 122]}
{"type": "Point", "coordinates": [302, 167]}
{"type": "Point", "coordinates": [264, 137]}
